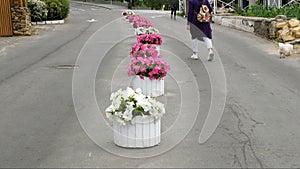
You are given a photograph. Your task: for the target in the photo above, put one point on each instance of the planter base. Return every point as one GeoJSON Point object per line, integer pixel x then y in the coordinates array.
{"type": "Point", "coordinates": [152, 88]}
{"type": "Point", "coordinates": [143, 133]}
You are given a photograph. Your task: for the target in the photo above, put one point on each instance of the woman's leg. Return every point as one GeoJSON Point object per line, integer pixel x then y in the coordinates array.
{"type": "Point", "coordinates": [209, 46]}
{"type": "Point", "coordinates": [195, 45]}
{"type": "Point", "coordinates": [175, 14]}
{"type": "Point", "coordinates": [208, 43]}
{"type": "Point", "coordinates": [195, 48]}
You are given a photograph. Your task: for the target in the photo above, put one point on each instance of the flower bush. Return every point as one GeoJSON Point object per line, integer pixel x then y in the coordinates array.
{"type": "Point", "coordinates": [150, 67]}
{"type": "Point", "coordinates": [127, 104]}
{"type": "Point", "coordinates": [42, 10]}
{"type": "Point", "coordinates": [139, 21]}
{"type": "Point", "coordinates": [38, 10]}
{"type": "Point", "coordinates": [57, 9]}
{"type": "Point", "coordinates": [145, 59]}
{"type": "Point", "coordinates": [142, 30]}
{"type": "Point", "coordinates": [142, 22]}
{"type": "Point", "coordinates": [128, 12]}
{"type": "Point", "coordinates": [150, 39]}
{"type": "Point", "coordinates": [132, 17]}
{"type": "Point", "coordinates": [144, 50]}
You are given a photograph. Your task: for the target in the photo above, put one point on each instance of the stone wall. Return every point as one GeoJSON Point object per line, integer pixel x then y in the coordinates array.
{"type": "Point", "coordinates": [21, 21]}
{"type": "Point", "coordinates": [265, 28]}
{"type": "Point", "coordinates": [288, 30]}
{"type": "Point", "coordinates": [279, 28]}
{"type": "Point", "coordinates": [236, 22]}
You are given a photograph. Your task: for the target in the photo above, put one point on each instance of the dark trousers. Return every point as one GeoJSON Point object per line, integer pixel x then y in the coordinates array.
{"type": "Point", "coordinates": [173, 12]}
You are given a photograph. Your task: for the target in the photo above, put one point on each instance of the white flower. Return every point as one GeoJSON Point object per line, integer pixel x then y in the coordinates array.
{"type": "Point", "coordinates": [128, 93]}
{"type": "Point", "coordinates": [111, 108]}
{"type": "Point", "coordinates": [121, 121]}
{"type": "Point", "coordinates": [125, 102]}
{"type": "Point", "coordinates": [139, 31]}
{"type": "Point", "coordinates": [130, 12]}
{"type": "Point", "coordinates": [130, 106]}
{"type": "Point", "coordinates": [138, 96]}
{"type": "Point", "coordinates": [138, 91]}
{"type": "Point", "coordinates": [152, 30]}
{"type": "Point", "coordinates": [116, 103]}
{"type": "Point", "coordinates": [127, 115]}
{"type": "Point", "coordinates": [144, 104]}
{"type": "Point", "coordinates": [119, 114]}
{"type": "Point", "coordinates": [149, 30]}
{"type": "Point", "coordinates": [109, 116]}
{"type": "Point", "coordinates": [116, 95]}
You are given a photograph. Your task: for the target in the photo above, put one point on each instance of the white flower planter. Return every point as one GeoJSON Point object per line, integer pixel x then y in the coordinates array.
{"type": "Point", "coordinates": [152, 88]}
{"type": "Point", "coordinates": [158, 48]}
{"type": "Point", "coordinates": [145, 132]}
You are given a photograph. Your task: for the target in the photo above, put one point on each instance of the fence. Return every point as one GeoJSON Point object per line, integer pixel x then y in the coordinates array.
{"type": "Point", "coordinates": [5, 18]}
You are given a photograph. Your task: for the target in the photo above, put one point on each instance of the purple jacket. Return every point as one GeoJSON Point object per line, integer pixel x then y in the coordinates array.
{"type": "Point", "coordinates": [194, 8]}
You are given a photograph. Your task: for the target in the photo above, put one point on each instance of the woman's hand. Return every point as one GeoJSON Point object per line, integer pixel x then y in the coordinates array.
{"type": "Point", "coordinates": [188, 27]}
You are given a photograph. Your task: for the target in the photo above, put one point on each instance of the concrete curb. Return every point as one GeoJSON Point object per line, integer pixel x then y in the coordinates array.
{"type": "Point", "coordinates": [49, 22]}
{"type": "Point", "coordinates": [109, 7]}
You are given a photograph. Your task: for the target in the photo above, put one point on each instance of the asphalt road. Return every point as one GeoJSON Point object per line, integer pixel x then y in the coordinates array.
{"type": "Point", "coordinates": [39, 126]}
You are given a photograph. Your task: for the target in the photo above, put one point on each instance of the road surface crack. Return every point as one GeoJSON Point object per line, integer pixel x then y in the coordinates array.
{"type": "Point", "coordinates": [245, 130]}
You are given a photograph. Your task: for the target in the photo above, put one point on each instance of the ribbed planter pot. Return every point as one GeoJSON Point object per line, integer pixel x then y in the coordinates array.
{"type": "Point", "coordinates": [158, 48]}
{"type": "Point", "coordinates": [145, 132]}
{"type": "Point", "coordinates": [152, 88]}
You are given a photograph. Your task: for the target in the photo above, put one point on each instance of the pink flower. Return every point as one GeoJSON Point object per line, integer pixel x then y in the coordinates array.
{"type": "Point", "coordinates": [142, 77]}
{"type": "Point", "coordinates": [136, 68]}
{"type": "Point", "coordinates": [148, 67]}
{"type": "Point", "coordinates": [144, 50]}
{"type": "Point", "coordinates": [143, 47]}
{"type": "Point", "coordinates": [150, 39]}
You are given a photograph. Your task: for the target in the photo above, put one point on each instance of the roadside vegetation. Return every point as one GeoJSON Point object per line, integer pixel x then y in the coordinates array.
{"type": "Point", "coordinates": [42, 10]}
{"type": "Point", "coordinates": [152, 4]}
{"type": "Point", "coordinates": [258, 10]}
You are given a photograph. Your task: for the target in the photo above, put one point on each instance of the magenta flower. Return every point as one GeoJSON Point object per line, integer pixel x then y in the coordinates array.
{"type": "Point", "coordinates": [144, 50]}
{"type": "Point", "coordinates": [150, 39]}
{"type": "Point", "coordinates": [148, 67]}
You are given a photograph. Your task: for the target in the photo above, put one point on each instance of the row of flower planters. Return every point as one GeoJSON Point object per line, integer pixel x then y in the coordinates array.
{"type": "Point", "coordinates": [135, 113]}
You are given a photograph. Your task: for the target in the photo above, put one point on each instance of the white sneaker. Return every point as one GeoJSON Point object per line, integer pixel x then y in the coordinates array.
{"type": "Point", "coordinates": [194, 56]}
{"type": "Point", "coordinates": [210, 56]}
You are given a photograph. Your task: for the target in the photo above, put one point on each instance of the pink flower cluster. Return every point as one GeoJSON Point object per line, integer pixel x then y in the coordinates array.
{"type": "Point", "coordinates": [131, 17]}
{"type": "Point", "coordinates": [145, 59]}
{"type": "Point", "coordinates": [150, 39]}
{"type": "Point", "coordinates": [139, 21]}
{"type": "Point", "coordinates": [144, 50]}
{"type": "Point", "coordinates": [146, 62]}
{"type": "Point", "coordinates": [142, 22]}
{"type": "Point", "coordinates": [154, 68]}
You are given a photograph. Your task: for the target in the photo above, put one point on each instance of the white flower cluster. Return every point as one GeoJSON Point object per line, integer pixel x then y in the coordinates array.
{"type": "Point", "coordinates": [141, 30]}
{"type": "Point", "coordinates": [38, 10]}
{"type": "Point", "coordinates": [128, 12]}
{"type": "Point", "coordinates": [126, 104]}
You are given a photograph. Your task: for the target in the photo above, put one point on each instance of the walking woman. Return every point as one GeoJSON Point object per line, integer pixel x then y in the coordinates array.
{"type": "Point", "coordinates": [199, 30]}
{"type": "Point", "coordinates": [173, 9]}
